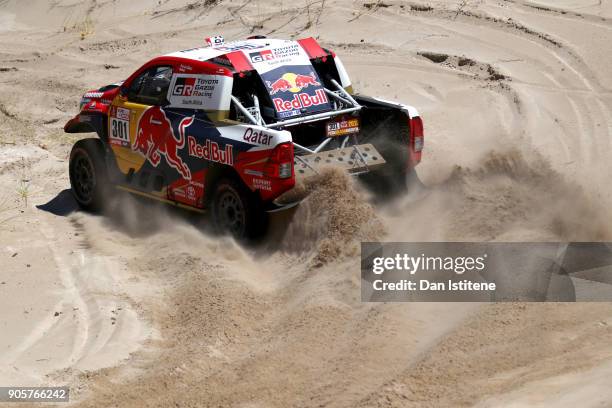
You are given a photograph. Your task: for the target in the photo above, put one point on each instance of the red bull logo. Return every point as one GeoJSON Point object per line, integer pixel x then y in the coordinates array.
{"type": "Point", "coordinates": [211, 151]}
{"type": "Point", "coordinates": [299, 101]}
{"type": "Point", "coordinates": [303, 81]}
{"type": "Point", "coordinates": [292, 82]}
{"type": "Point", "coordinates": [155, 138]}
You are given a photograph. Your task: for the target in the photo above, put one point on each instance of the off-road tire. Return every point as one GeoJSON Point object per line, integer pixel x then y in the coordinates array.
{"type": "Point", "coordinates": [394, 177]}
{"type": "Point", "coordinates": [237, 210]}
{"type": "Point", "coordinates": [88, 174]}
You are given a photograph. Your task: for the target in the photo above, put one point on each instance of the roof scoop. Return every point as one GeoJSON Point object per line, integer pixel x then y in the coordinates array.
{"type": "Point", "coordinates": [215, 41]}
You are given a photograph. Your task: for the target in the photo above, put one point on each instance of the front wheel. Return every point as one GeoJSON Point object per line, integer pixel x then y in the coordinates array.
{"type": "Point", "coordinates": [88, 176]}
{"type": "Point", "coordinates": [238, 211]}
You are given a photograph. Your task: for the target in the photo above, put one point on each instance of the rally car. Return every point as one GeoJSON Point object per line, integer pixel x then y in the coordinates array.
{"type": "Point", "coordinates": [228, 127]}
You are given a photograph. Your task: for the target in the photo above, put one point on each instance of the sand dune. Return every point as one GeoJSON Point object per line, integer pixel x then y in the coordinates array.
{"type": "Point", "coordinates": [141, 307]}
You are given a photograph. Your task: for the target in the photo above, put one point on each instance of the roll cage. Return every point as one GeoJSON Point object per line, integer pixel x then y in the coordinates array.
{"type": "Point", "coordinates": [342, 103]}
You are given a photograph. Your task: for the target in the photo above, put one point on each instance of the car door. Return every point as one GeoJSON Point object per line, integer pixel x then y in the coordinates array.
{"type": "Point", "coordinates": [138, 130]}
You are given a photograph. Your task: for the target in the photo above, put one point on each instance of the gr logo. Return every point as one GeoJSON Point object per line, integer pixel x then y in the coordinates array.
{"type": "Point", "coordinates": [261, 56]}
{"type": "Point", "coordinates": [184, 86]}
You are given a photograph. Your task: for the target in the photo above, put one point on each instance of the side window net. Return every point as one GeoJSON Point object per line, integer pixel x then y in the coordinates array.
{"type": "Point", "coordinates": [151, 87]}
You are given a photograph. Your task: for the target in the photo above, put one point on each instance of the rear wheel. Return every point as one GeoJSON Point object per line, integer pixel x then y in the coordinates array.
{"type": "Point", "coordinates": [88, 176]}
{"type": "Point", "coordinates": [389, 135]}
{"type": "Point", "coordinates": [238, 211]}
{"type": "Point", "coordinates": [396, 176]}
{"type": "Point", "coordinates": [393, 176]}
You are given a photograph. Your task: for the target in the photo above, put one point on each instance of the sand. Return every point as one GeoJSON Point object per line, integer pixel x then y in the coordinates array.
{"type": "Point", "coordinates": [142, 308]}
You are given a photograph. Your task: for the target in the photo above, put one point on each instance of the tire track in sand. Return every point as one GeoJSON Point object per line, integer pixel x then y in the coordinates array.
{"type": "Point", "coordinates": [97, 326]}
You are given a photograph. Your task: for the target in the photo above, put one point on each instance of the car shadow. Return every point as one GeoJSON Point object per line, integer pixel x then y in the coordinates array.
{"type": "Point", "coordinates": [62, 204]}
{"type": "Point", "coordinates": [133, 215]}
{"type": "Point", "coordinates": [137, 217]}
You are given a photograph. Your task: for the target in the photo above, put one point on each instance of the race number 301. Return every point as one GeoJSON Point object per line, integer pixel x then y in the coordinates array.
{"type": "Point", "coordinates": [120, 129]}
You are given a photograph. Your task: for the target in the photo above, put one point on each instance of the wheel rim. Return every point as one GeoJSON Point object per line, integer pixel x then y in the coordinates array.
{"type": "Point", "coordinates": [83, 178]}
{"type": "Point", "coordinates": [231, 213]}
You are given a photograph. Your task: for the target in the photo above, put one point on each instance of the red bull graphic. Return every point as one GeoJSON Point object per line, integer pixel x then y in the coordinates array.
{"type": "Point", "coordinates": [299, 101]}
{"type": "Point", "coordinates": [155, 138]}
{"type": "Point", "coordinates": [278, 85]}
{"type": "Point", "coordinates": [302, 81]}
{"type": "Point", "coordinates": [296, 92]}
{"type": "Point", "coordinates": [292, 82]}
{"type": "Point", "coordinates": [211, 151]}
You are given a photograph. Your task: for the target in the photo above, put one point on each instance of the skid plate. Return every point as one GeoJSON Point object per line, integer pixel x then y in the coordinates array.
{"type": "Point", "coordinates": [354, 159]}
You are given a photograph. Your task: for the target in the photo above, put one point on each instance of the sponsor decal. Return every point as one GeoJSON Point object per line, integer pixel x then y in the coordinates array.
{"type": "Point", "coordinates": [93, 95]}
{"type": "Point", "coordinates": [191, 193]}
{"type": "Point", "coordinates": [265, 55]}
{"type": "Point", "coordinates": [211, 151]}
{"type": "Point", "coordinates": [178, 192]}
{"type": "Point", "coordinates": [184, 68]}
{"type": "Point", "coordinates": [222, 60]}
{"type": "Point", "coordinates": [155, 139]}
{"type": "Point", "coordinates": [295, 91]}
{"type": "Point", "coordinates": [344, 126]}
{"type": "Point", "coordinates": [239, 47]}
{"type": "Point", "coordinates": [190, 49]}
{"type": "Point", "coordinates": [123, 114]}
{"type": "Point", "coordinates": [257, 136]}
{"type": "Point", "coordinates": [292, 50]}
{"type": "Point", "coordinates": [299, 101]}
{"type": "Point", "coordinates": [278, 55]}
{"type": "Point", "coordinates": [253, 172]}
{"type": "Point", "coordinates": [262, 184]}
{"type": "Point", "coordinates": [289, 114]}
{"type": "Point", "coordinates": [196, 91]}
{"type": "Point", "coordinates": [184, 86]}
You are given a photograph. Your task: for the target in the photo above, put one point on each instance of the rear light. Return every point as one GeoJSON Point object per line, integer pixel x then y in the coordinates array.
{"type": "Point", "coordinates": [417, 139]}
{"type": "Point", "coordinates": [285, 170]}
{"type": "Point", "coordinates": [280, 162]}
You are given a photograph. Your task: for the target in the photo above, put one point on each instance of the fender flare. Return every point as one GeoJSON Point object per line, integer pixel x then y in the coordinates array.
{"type": "Point", "coordinates": [86, 122]}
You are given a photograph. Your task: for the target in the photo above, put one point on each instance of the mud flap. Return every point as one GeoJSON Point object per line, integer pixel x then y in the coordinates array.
{"type": "Point", "coordinates": [274, 208]}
